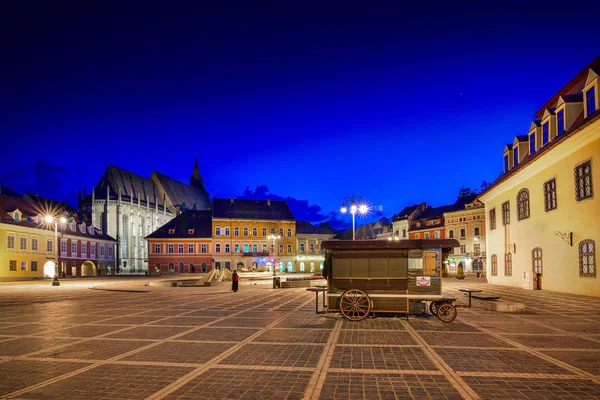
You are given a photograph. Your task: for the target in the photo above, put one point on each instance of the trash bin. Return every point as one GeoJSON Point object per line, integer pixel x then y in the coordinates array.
{"type": "Point", "coordinates": [276, 282]}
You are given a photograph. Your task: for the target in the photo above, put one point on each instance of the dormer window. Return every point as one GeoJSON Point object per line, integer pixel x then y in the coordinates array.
{"type": "Point", "coordinates": [190, 231]}
{"type": "Point", "coordinates": [505, 163]}
{"type": "Point", "coordinates": [590, 100]}
{"type": "Point", "coordinates": [560, 122]}
{"type": "Point", "coordinates": [171, 231]}
{"type": "Point", "coordinates": [532, 144]}
{"type": "Point", "coordinates": [516, 156]}
{"type": "Point", "coordinates": [73, 226]}
{"type": "Point", "coordinates": [545, 133]}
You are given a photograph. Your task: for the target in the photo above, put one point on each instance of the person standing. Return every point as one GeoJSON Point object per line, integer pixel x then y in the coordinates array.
{"type": "Point", "coordinates": [234, 281]}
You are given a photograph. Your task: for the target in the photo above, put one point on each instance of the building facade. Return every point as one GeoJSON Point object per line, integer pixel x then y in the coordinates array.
{"type": "Point", "coordinates": [257, 235]}
{"type": "Point", "coordinates": [543, 215]}
{"type": "Point", "coordinates": [28, 246]}
{"type": "Point", "coordinates": [129, 207]}
{"type": "Point", "coordinates": [401, 222]}
{"type": "Point", "coordinates": [310, 257]}
{"type": "Point", "coordinates": [468, 227]}
{"type": "Point", "coordinates": [182, 245]}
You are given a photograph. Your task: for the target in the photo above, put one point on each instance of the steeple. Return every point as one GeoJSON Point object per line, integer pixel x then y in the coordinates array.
{"type": "Point", "coordinates": [196, 180]}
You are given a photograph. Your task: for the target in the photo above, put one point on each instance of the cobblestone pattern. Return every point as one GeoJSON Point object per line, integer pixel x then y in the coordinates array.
{"type": "Point", "coordinates": [208, 343]}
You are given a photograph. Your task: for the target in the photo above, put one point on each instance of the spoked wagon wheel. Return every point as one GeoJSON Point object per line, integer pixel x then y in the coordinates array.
{"type": "Point", "coordinates": [446, 312]}
{"type": "Point", "coordinates": [355, 305]}
{"type": "Point", "coordinates": [433, 308]}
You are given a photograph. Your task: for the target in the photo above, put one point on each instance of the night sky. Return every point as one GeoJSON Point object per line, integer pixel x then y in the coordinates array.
{"type": "Point", "coordinates": [398, 104]}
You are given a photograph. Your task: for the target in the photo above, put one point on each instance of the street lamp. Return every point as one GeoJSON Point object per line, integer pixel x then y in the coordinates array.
{"type": "Point", "coordinates": [356, 205]}
{"type": "Point", "coordinates": [274, 237]}
{"type": "Point", "coordinates": [50, 219]}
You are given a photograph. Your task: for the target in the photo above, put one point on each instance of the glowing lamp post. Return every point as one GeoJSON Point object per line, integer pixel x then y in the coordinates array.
{"type": "Point", "coordinates": [50, 219]}
{"type": "Point", "coordinates": [274, 237]}
{"type": "Point", "coordinates": [356, 205]}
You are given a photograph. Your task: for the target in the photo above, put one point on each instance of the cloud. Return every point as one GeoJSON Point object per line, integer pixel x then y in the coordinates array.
{"type": "Point", "coordinates": [302, 209]}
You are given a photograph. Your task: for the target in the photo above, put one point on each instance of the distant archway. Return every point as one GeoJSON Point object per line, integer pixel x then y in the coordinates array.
{"type": "Point", "coordinates": [88, 268]}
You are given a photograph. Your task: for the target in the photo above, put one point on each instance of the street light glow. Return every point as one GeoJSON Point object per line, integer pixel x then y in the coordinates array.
{"type": "Point", "coordinates": [363, 208]}
{"type": "Point", "coordinates": [63, 220]}
{"type": "Point", "coordinates": [343, 209]}
{"type": "Point", "coordinates": [353, 209]}
{"type": "Point", "coordinates": [48, 218]}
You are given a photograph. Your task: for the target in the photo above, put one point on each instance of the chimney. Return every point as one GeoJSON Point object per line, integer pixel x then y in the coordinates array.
{"type": "Point", "coordinates": [269, 202]}
{"type": "Point", "coordinates": [231, 200]}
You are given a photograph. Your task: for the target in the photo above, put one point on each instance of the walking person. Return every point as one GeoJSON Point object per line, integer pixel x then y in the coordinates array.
{"type": "Point", "coordinates": [234, 281]}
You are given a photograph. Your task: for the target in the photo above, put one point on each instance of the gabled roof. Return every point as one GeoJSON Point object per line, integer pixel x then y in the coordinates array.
{"type": "Point", "coordinates": [306, 228]}
{"type": "Point", "coordinates": [535, 124]}
{"type": "Point", "coordinates": [548, 112]}
{"type": "Point", "coordinates": [187, 225]}
{"type": "Point", "coordinates": [179, 193]}
{"type": "Point", "coordinates": [129, 184]}
{"type": "Point", "coordinates": [593, 73]}
{"type": "Point", "coordinates": [570, 98]}
{"type": "Point", "coordinates": [508, 147]}
{"type": "Point", "coordinates": [405, 212]}
{"type": "Point", "coordinates": [47, 205]}
{"type": "Point", "coordinates": [521, 138]}
{"type": "Point", "coordinates": [252, 209]}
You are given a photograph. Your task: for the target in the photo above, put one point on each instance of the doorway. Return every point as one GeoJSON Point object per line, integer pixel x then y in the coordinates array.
{"type": "Point", "coordinates": [537, 263]}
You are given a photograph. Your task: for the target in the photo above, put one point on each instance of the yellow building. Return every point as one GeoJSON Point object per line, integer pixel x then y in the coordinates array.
{"type": "Point", "coordinates": [543, 220]}
{"type": "Point", "coordinates": [310, 256]}
{"type": "Point", "coordinates": [253, 235]}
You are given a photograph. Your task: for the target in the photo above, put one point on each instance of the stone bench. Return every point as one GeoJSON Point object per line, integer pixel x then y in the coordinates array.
{"type": "Point", "coordinates": [498, 305]}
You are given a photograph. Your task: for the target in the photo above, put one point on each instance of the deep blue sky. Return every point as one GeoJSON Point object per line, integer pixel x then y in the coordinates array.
{"type": "Point", "coordinates": [399, 104]}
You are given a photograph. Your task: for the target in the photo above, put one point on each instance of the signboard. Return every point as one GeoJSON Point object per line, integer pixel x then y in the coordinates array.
{"type": "Point", "coordinates": [423, 281]}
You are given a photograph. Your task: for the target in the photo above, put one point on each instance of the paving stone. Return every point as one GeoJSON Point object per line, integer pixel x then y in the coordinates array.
{"type": "Point", "coordinates": [554, 341]}
{"type": "Point", "coordinates": [185, 321]}
{"type": "Point", "coordinates": [223, 334]}
{"type": "Point", "coordinates": [294, 336]}
{"type": "Point", "coordinates": [381, 357]}
{"type": "Point", "coordinates": [340, 385]}
{"type": "Point", "coordinates": [381, 324]}
{"type": "Point", "coordinates": [435, 325]}
{"type": "Point", "coordinates": [181, 352]}
{"type": "Point", "coordinates": [86, 331]}
{"type": "Point", "coordinates": [312, 322]}
{"type": "Point", "coordinates": [533, 389]}
{"type": "Point", "coordinates": [94, 349]}
{"type": "Point", "coordinates": [222, 383]}
{"type": "Point", "coordinates": [129, 320]}
{"type": "Point", "coordinates": [26, 345]}
{"type": "Point", "coordinates": [149, 332]}
{"type": "Point", "coordinates": [516, 327]}
{"type": "Point", "coordinates": [460, 339]}
{"type": "Point", "coordinates": [244, 322]}
{"type": "Point", "coordinates": [27, 329]}
{"type": "Point", "coordinates": [585, 360]}
{"type": "Point", "coordinates": [288, 355]}
{"type": "Point", "coordinates": [374, 337]}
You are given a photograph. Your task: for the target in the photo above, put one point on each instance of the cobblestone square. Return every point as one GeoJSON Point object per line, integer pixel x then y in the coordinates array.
{"type": "Point", "coordinates": [73, 342]}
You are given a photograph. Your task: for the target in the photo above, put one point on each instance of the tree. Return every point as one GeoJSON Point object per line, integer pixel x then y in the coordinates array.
{"type": "Point", "coordinates": [464, 192]}
{"type": "Point", "coordinates": [484, 186]}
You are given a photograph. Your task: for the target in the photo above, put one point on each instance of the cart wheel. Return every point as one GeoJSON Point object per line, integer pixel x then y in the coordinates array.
{"type": "Point", "coordinates": [446, 312]}
{"type": "Point", "coordinates": [355, 305]}
{"type": "Point", "coordinates": [433, 308]}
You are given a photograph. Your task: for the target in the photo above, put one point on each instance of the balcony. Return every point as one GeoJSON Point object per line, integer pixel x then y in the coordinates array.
{"type": "Point", "coordinates": [256, 254]}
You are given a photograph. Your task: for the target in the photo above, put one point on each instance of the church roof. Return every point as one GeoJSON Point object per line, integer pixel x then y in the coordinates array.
{"type": "Point", "coordinates": [179, 193]}
{"type": "Point", "coordinates": [131, 186]}
{"type": "Point", "coordinates": [187, 225]}
{"type": "Point", "coordinates": [252, 209]}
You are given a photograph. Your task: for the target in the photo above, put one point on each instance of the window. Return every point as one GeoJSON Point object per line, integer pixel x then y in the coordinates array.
{"type": "Point", "coordinates": [246, 248]}
{"type": "Point", "coordinates": [93, 250]}
{"type": "Point", "coordinates": [190, 248]}
{"type": "Point", "coordinates": [523, 204]}
{"type": "Point", "coordinates": [493, 218]}
{"type": "Point", "coordinates": [10, 242]}
{"type": "Point", "coordinates": [560, 122]}
{"type": "Point", "coordinates": [34, 244]}
{"type": "Point", "coordinates": [583, 181]}
{"type": "Point", "coordinates": [289, 248]}
{"type": "Point", "coordinates": [505, 163]}
{"type": "Point", "coordinates": [508, 264]}
{"type": "Point", "coordinates": [84, 249]}
{"type": "Point", "coordinates": [532, 144]}
{"type": "Point", "coordinates": [236, 248]}
{"type": "Point", "coordinates": [157, 267]}
{"type": "Point", "coordinates": [587, 258]}
{"type": "Point", "coordinates": [463, 233]}
{"type": "Point", "coordinates": [494, 265]}
{"type": "Point", "coordinates": [171, 248]}
{"type": "Point", "coordinates": [463, 249]}
{"type": "Point", "coordinates": [506, 213]}
{"type": "Point", "coordinates": [476, 249]}
{"type": "Point", "coordinates": [110, 251]}
{"type": "Point", "coordinates": [254, 231]}
{"type": "Point", "coordinates": [254, 248]}
{"type": "Point", "coordinates": [217, 248]}
{"type": "Point", "coordinates": [157, 248]}
{"type": "Point", "coordinates": [203, 266]}
{"type": "Point", "coordinates": [312, 247]}
{"type": "Point", "coordinates": [245, 231]}
{"type": "Point", "coordinates": [289, 232]}
{"type": "Point", "coordinates": [536, 259]}
{"type": "Point", "coordinates": [476, 231]}
{"type": "Point", "coordinates": [451, 234]}
{"type": "Point", "coordinates": [545, 134]}
{"type": "Point", "coordinates": [550, 195]}
{"type": "Point", "coordinates": [73, 248]}
{"type": "Point", "coordinates": [417, 236]}
{"type": "Point", "coordinates": [63, 247]}
{"type": "Point", "coordinates": [33, 266]}
{"type": "Point", "coordinates": [101, 251]}
{"type": "Point", "coordinates": [22, 243]}
{"type": "Point", "coordinates": [171, 267]}
{"type": "Point", "coordinates": [12, 265]}
{"type": "Point", "coordinates": [515, 157]}
{"type": "Point", "coordinates": [426, 235]}
{"type": "Point", "coordinates": [227, 248]}
{"type": "Point", "coordinates": [23, 266]}
{"type": "Point", "coordinates": [280, 249]}
{"type": "Point", "coordinates": [264, 231]}
{"type": "Point", "coordinates": [436, 234]}
{"type": "Point", "coordinates": [590, 100]}
{"type": "Point", "coordinates": [302, 247]}
{"type": "Point", "coordinates": [180, 248]}
{"type": "Point", "coordinates": [227, 231]}
{"type": "Point", "coordinates": [217, 231]}
{"type": "Point", "coordinates": [403, 232]}
{"type": "Point", "coordinates": [281, 232]}
{"type": "Point", "coordinates": [203, 248]}
{"type": "Point", "coordinates": [236, 231]}
{"type": "Point", "coordinates": [49, 246]}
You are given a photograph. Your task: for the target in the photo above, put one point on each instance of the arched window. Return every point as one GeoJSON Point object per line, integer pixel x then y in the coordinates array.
{"type": "Point", "coordinates": [508, 264]}
{"type": "Point", "coordinates": [192, 268]}
{"type": "Point", "coordinates": [587, 258]}
{"type": "Point", "coordinates": [157, 267]}
{"type": "Point", "coordinates": [523, 204]}
{"type": "Point", "coordinates": [301, 267]}
{"type": "Point", "coordinates": [180, 267]}
{"type": "Point", "coordinates": [536, 259]}
{"type": "Point", "coordinates": [494, 265]}
{"type": "Point", "coordinates": [170, 267]}
{"type": "Point", "coordinates": [203, 267]}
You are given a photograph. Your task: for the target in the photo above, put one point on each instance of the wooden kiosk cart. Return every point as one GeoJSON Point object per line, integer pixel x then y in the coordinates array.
{"type": "Point", "coordinates": [386, 276]}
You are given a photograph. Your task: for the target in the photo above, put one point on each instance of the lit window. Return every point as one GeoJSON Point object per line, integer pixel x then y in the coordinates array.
{"type": "Point", "coordinates": [246, 248]}
{"type": "Point", "coordinates": [217, 248]}
{"type": "Point", "coordinates": [523, 204]}
{"type": "Point", "coordinates": [437, 234]}
{"type": "Point", "coordinates": [236, 248]}
{"type": "Point", "coordinates": [508, 264]}
{"type": "Point", "coordinates": [34, 244]}
{"type": "Point", "coordinates": [560, 122]}
{"type": "Point", "coordinates": [494, 265]}
{"type": "Point", "coordinates": [587, 258]}
{"type": "Point", "coordinates": [10, 242]}
{"type": "Point", "coordinates": [426, 235]}
{"type": "Point", "coordinates": [289, 249]}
